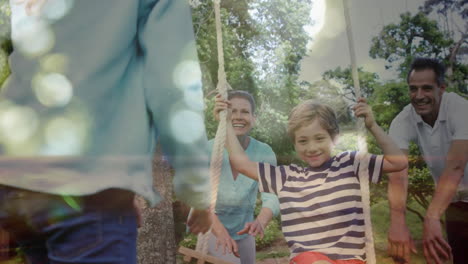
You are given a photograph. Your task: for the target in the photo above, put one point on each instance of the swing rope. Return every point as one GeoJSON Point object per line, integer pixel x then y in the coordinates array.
{"type": "Point", "coordinates": [363, 170]}
{"type": "Point", "coordinates": [220, 138]}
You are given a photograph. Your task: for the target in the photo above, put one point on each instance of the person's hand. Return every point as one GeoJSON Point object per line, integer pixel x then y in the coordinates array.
{"type": "Point", "coordinates": [436, 249]}
{"type": "Point", "coordinates": [220, 105]}
{"type": "Point", "coordinates": [253, 228]}
{"type": "Point", "coordinates": [362, 109]}
{"type": "Point", "coordinates": [223, 240]}
{"type": "Point", "coordinates": [400, 244]}
{"type": "Point", "coordinates": [138, 205]}
{"type": "Point", "coordinates": [199, 221]}
{"type": "Point", "coordinates": [32, 6]}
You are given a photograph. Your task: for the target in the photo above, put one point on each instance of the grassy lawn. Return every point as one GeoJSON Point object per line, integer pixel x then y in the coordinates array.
{"type": "Point", "coordinates": [381, 219]}
{"type": "Point", "coordinates": [273, 254]}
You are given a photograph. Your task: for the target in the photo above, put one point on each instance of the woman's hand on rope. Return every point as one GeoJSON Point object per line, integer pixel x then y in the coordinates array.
{"type": "Point", "coordinates": [362, 109]}
{"type": "Point", "coordinates": [220, 105]}
{"type": "Point", "coordinates": [223, 239]}
{"type": "Point", "coordinates": [199, 221]}
{"type": "Point", "coordinates": [253, 228]}
{"type": "Point", "coordinates": [400, 243]}
{"type": "Point", "coordinates": [436, 249]}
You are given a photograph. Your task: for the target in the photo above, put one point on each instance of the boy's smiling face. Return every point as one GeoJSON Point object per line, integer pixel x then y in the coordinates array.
{"type": "Point", "coordinates": [313, 144]}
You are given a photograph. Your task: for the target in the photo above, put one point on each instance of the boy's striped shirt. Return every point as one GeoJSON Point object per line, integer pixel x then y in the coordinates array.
{"type": "Point", "coordinates": [321, 207]}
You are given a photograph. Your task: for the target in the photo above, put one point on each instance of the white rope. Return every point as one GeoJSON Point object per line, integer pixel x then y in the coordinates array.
{"type": "Point", "coordinates": [220, 138]}
{"type": "Point", "coordinates": [364, 183]}
{"type": "Point", "coordinates": [363, 170]}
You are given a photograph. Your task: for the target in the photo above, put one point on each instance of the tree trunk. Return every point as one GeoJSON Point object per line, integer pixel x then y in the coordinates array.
{"type": "Point", "coordinates": [453, 55]}
{"type": "Point", "coordinates": [156, 241]}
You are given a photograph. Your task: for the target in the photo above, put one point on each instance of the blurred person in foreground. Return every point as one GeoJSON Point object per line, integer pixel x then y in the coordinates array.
{"type": "Point", "coordinates": [93, 84]}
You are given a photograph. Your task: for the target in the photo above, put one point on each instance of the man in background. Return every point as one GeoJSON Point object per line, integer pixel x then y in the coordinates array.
{"type": "Point", "coordinates": [437, 121]}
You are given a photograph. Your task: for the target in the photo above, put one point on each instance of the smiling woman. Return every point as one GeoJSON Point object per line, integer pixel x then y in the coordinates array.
{"type": "Point", "coordinates": [243, 118]}
{"type": "Point", "coordinates": [234, 226]}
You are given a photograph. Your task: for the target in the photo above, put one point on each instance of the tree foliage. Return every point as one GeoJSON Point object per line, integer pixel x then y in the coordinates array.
{"type": "Point", "coordinates": [238, 33]}
{"type": "Point", "coordinates": [414, 36]}
{"type": "Point", "coordinates": [419, 36]}
{"type": "Point", "coordinates": [5, 40]}
{"type": "Point", "coordinates": [452, 16]}
{"type": "Point", "coordinates": [367, 80]}
{"type": "Point", "coordinates": [264, 42]}
{"type": "Point", "coordinates": [330, 92]}
{"type": "Point", "coordinates": [388, 100]}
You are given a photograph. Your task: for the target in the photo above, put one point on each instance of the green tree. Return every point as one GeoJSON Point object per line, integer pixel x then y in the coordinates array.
{"type": "Point", "coordinates": [237, 37]}
{"type": "Point", "coordinates": [414, 36]}
{"type": "Point", "coordinates": [331, 93]}
{"type": "Point", "coordinates": [388, 100]}
{"type": "Point", "coordinates": [5, 40]}
{"type": "Point", "coordinates": [419, 36]}
{"type": "Point", "coordinates": [452, 16]}
{"type": "Point", "coordinates": [264, 42]}
{"type": "Point", "coordinates": [281, 46]}
{"type": "Point", "coordinates": [343, 77]}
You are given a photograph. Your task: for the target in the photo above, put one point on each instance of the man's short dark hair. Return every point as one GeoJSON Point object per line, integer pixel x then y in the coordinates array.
{"type": "Point", "coordinates": [438, 67]}
{"type": "Point", "coordinates": [242, 94]}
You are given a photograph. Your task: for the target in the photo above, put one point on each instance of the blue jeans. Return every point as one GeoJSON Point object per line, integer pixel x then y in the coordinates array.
{"type": "Point", "coordinates": [51, 229]}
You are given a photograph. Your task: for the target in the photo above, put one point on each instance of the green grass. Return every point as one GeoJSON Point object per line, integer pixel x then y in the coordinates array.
{"type": "Point", "coordinates": [381, 221]}
{"type": "Point", "coordinates": [272, 254]}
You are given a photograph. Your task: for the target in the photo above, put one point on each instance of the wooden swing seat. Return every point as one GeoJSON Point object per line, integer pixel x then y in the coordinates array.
{"type": "Point", "coordinates": [200, 257]}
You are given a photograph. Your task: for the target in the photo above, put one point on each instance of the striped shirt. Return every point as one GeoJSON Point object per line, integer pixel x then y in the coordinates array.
{"type": "Point", "coordinates": [321, 208]}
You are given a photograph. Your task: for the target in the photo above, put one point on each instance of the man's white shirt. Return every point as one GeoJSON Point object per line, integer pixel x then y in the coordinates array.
{"type": "Point", "coordinates": [434, 142]}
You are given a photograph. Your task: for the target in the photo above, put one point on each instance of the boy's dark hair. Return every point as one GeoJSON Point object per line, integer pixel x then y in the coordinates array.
{"type": "Point", "coordinates": [438, 67]}
{"type": "Point", "coordinates": [306, 112]}
{"type": "Point", "coordinates": [243, 94]}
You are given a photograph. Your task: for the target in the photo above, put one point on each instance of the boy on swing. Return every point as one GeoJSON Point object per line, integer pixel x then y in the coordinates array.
{"type": "Point", "coordinates": [321, 210]}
